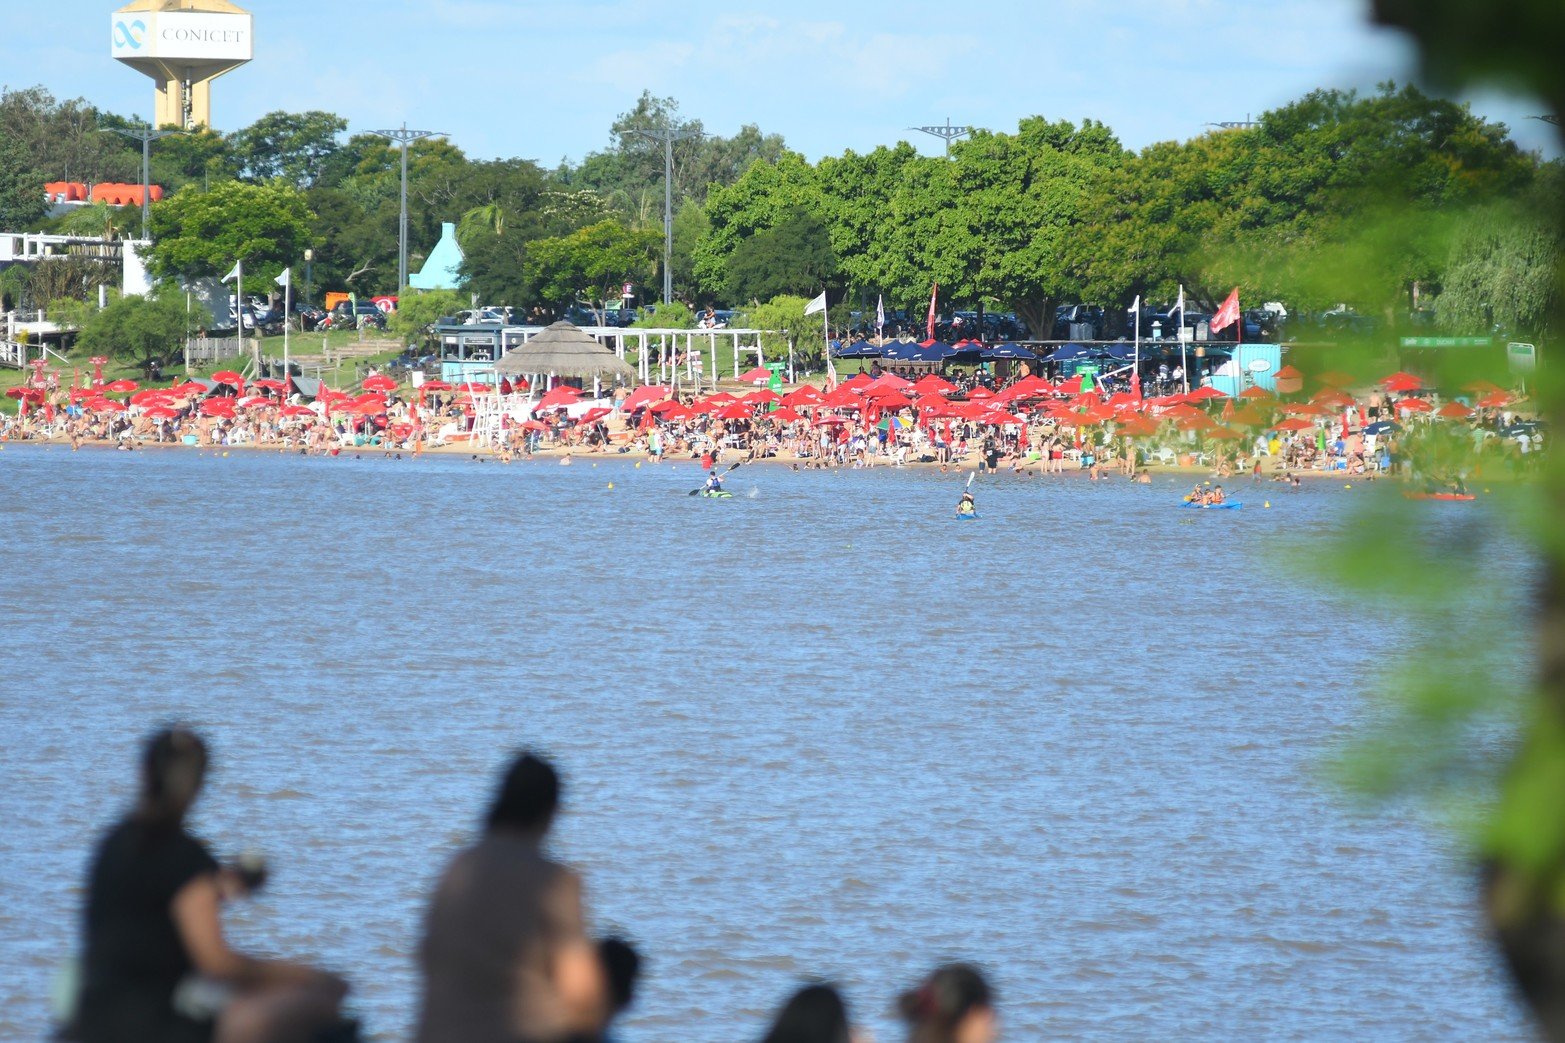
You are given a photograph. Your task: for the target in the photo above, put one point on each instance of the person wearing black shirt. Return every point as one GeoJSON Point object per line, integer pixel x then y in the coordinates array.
{"type": "Point", "coordinates": [152, 927]}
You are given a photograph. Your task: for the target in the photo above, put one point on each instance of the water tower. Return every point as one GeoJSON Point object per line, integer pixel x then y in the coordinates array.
{"type": "Point", "coordinates": [183, 45]}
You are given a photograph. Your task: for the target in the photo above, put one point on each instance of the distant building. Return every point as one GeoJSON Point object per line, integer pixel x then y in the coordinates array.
{"type": "Point", "coordinates": [442, 268]}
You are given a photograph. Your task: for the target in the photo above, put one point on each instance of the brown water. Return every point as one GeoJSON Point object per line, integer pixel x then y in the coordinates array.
{"type": "Point", "coordinates": [820, 730]}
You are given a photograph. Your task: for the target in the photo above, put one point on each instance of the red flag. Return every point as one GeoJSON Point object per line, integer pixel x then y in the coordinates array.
{"type": "Point", "coordinates": [1228, 314]}
{"type": "Point", "coordinates": [929, 325]}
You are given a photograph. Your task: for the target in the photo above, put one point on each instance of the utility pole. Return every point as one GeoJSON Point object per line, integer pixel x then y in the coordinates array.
{"type": "Point", "coordinates": [146, 135]}
{"type": "Point", "coordinates": [946, 133]}
{"type": "Point", "coordinates": [667, 134]}
{"type": "Point", "coordinates": [405, 137]}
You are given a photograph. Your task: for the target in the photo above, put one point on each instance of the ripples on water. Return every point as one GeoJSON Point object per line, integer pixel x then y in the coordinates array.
{"type": "Point", "coordinates": [823, 730]}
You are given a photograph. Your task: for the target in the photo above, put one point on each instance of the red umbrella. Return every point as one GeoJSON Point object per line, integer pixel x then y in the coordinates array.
{"type": "Point", "coordinates": [641, 396]}
{"type": "Point", "coordinates": [161, 413]}
{"type": "Point", "coordinates": [149, 397]}
{"type": "Point", "coordinates": [1498, 400]}
{"type": "Point", "coordinates": [734, 411]}
{"type": "Point", "coordinates": [1288, 373]}
{"type": "Point", "coordinates": [1223, 433]}
{"type": "Point", "coordinates": [842, 397]}
{"type": "Point", "coordinates": [1454, 411]}
{"type": "Point", "coordinates": [229, 377]}
{"type": "Point", "coordinates": [858, 380]}
{"type": "Point", "coordinates": [1401, 382]}
{"type": "Point", "coordinates": [1333, 397]}
{"type": "Point", "coordinates": [434, 385]}
{"type": "Point", "coordinates": [677, 412]}
{"type": "Point", "coordinates": [979, 393]}
{"type": "Point", "coordinates": [1305, 409]}
{"type": "Point", "coordinates": [189, 388]}
{"type": "Point", "coordinates": [367, 408]}
{"type": "Point", "coordinates": [1413, 405]}
{"type": "Point", "coordinates": [763, 397]}
{"type": "Point", "coordinates": [830, 418]}
{"type": "Point", "coordinates": [933, 384]}
{"type": "Point", "coordinates": [1293, 424]}
{"type": "Point", "coordinates": [533, 425]}
{"type": "Point", "coordinates": [296, 411]}
{"type": "Point", "coordinates": [218, 407]}
{"type": "Point", "coordinates": [105, 405]}
{"type": "Point", "coordinates": [756, 375]}
{"type": "Point", "coordinates": [1000, 416]}
{"type": "Point", "coordinates": [723, 398]}
{"type": "Point", "coordinates": [1204, 394]}
{"type": "Point", "coordinates": [121, 387]}
{"type": "Point", "coordinates": [268, 384]}
{"type": "Point", "coordinates": [593, 415]}
{"type": "Point", "coordinates": [666, 407]}
{"type": "Point", "coordinates": [895, 400]}
{"type": "Point", "coordinates": [379, 383]}
{"type": "Point", "coordinates": [1138, 427]}
{"type": "Point", "coordinates": [805, 396]}
{"type": "Point", "coordinates": [784, 415]}
{"type": "Point", "coordinates": [560, 396]}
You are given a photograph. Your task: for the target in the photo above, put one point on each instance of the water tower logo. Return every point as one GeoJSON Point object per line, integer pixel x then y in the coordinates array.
{"type": "Point", "coordinates": [129, 34]}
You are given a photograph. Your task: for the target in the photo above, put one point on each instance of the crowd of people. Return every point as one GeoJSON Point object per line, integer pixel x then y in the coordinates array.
{"type": "Point", "coordinates": [866, 421]}
{"type": "Point", "coordinates": [506, 955]}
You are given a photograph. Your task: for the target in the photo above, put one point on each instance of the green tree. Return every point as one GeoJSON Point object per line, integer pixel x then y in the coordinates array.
{"type": "Point", "coordinates": [22, 202]}
{"type": "Point", "coordinates": [199, 233]}
{"type": "Point", "coordinates": [674, 315]}
{"type": "Point", "coordinates": [294, 146]}
{"type": "Point", "coordinates": [419, 309]}
{"type": "Point", "coordinates": [690, 228]}
{"type": "Point", "coordinates": [793, 257]}
{"type": "Point", "coordinates": [62, 139]}
{"type": "Point", "coordinates": [141, 330]}
{"type": "Point", "coordinates": [786, 329]}
{"type": "Point", "coordinates": [355, 251]}
{"type": "Point", "coordinates": [1503, 264]}
{"type": "Point", "coordinates": [591, 264]}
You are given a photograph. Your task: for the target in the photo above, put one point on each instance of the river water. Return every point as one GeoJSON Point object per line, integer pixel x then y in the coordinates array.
{"type": "Point", "coordinates": [820, 729]}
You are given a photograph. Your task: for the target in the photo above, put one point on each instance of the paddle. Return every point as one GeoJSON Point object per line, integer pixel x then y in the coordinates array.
{"type": "Point", "coordinates": [725, 474]}
{"type": "Point", "coordinates": [967, 488]}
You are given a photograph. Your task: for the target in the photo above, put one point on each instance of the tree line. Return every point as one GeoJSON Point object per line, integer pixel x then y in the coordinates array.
{"type": "Point", "coordinates": [1380, 202]}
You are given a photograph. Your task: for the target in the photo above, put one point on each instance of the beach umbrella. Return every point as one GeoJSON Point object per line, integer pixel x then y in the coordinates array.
{"type": "Point", "coordinates": [858, 380]}
{"type": "Point", "coordinates": [1204, 394]}
{"type": "Point", "coordinates": [1255, 394]}
{"type": "Point", "coordinates": [1401, 382]}
{"type": "Point", "coordinates": [560, 396]}
{"type": "Point", "coordinates": [1334, 398]}
{"type": "Point", "coordinates": [593, 415]}
{"type": "Point", "coordinates": [367, 408]}
{"type": "Point", "coordinates": [733, 411]}
{"type": "Point", "coordinates": [1224, 433]}
{"type": "Point", "coordinates": [1483, 387]}
{"type": "Point", "coordinates": [533, 425]}
{"type": "Point", "coordinates": [1413, 405]}
{"type": "Point", "coordinates": [785, 415]}
{"type": "Point", "coordinates": [379, 383]}
{"type": "Point", "coordinates": [121, 387]}
{"type": "Point", "coordinates": [1199, 422]}
{"type": "Point", "coordinates": [218, 407]}
{"type": "Point", "coordinates": [933, 384]}
{"type": "Point", "coordinates": [644, 395]}
{"type": "Point", "coordinates": [756, 375]}
{"type": "Point", "coordinates": [161, 413]}
{"type": "Point", "coordinates": [830, 418]}
{"type": "Point", "coordinates": [1306, 409]}
{"type": "Point", "coordinates": [804, 396]}
{"type": "Point", "coordinates": [229, 377]}
{"type": "Point", "coordinates": [665, 407]}
{"type": "Point", "coordinates": [268, 384]}
{"type": "Point", "coordinates": [105, 405]}
{"type": "Point", "coordinates": [763, 397]}
{"type": "Point", "coordinates": [1000, 416]}
{"type": "Point", "coordinates": [1138, 427]}
{"type": "Point", "coordinates": [722, 398]}
{"type": "Point", "coordinates": [188, 388]}
{"type": "Point", "coordinates": [1497, 400]}
{"type": "Point", "coordinates": [291, 411]}
{"type": "Point", "coordinates": [150, 397]}
{"type": "Point", "coordinates": [1293, 424]}
{"type": "Point", "coordinates": [895, 400]}
{"type": "Point", "coordinates": [677, 412]}
{"type": "Point", "coordinates": [434, 385]}
{"type": "Point", "coordinates": [979, 393]}
{"type": "Point", "coordinates": [251, 401]}
{"type": "Point", "coordinates": [842, 398]}
{"type": "Point", "coordinates": [1453, 411]}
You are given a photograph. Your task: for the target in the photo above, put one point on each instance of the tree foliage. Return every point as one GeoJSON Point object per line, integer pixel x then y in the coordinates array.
{"type": "Point", "coordinates": [140, 330]}
{"type": "Point", "coordinates": [22, 203]}
{"type": "Point", "coordinates": [418, 309]}
{"type": "Point", "coordinates": [198, 233]}
{"type": "Point", "coordinates": [793, 257]}
{"type": "Point", "coordinates": [294, 146]}
{"type": "Point", "coordinates": [591, 264]}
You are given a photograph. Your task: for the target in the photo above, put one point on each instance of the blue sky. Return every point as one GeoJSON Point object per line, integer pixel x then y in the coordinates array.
{"type": "Point", "coordinates": [543, 80]}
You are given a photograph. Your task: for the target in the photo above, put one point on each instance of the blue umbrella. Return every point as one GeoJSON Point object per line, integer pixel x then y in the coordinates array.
{"type": "Point", "coordinates": [859, 349]}
{"type": "Point", "coordinates": [1008, 351]}
{"type": "Point", "coordinates": [1066, 352]}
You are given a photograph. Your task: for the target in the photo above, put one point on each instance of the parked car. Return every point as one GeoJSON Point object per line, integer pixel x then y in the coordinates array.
{"type": "Point", "coordinates": [345, 316]}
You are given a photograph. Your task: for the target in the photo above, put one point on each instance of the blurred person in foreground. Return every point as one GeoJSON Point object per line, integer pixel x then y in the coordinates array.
{"type": "Point", "coordinates": [157, 969]}
{"type": "Point", "coordinates": [505, 954]}
{"type": "Point", "coordinates": [953, 1005]}
{"type": "Point", "coordinates": [814, 1014]}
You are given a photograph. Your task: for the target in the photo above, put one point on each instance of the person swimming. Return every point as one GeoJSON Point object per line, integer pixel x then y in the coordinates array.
{"type": "Point", "coordinates": [966, 506]}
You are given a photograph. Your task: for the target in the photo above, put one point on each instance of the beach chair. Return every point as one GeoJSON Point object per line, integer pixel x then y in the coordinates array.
{"type": "Point", "coordinates": [1165, 456]}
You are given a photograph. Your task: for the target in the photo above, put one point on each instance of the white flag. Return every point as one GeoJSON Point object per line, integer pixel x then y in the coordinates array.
{"type": "Point", "coordinates": [235, 273]}
{"type": "Point", "coordinates": [880, 311]}
{"type": "Point", "coordinates": [285, 280]}
{"type": "Point", "coordinates": [817, 305]}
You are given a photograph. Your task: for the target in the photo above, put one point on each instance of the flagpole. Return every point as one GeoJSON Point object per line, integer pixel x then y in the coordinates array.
{"type": "Point", "coordinates": [287, 321]}
{"type": "Point", "coordinates": [1136, 364]}
{"type": "Point", "coordinates": [1184, 366]}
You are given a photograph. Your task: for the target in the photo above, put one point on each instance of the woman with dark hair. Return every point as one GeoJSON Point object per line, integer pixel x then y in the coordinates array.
{"type": "Point", "coordinates": [814, 1014]}
{"type": "Point", "coordinates": [953, 1005]}
{"type": "Point", "coordinates": [505, 955]}
{"type": "Point", "coordinates": [153, 930]}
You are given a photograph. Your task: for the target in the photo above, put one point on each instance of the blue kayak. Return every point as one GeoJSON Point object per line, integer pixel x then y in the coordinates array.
{"type": "Point", "coordinates": [967, 517]}
{"type": "Point", "coordinates": [1229, 506]}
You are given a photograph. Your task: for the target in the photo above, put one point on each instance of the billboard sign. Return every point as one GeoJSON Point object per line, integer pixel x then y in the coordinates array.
{"type": "Point", "coordinates": [181, 35]}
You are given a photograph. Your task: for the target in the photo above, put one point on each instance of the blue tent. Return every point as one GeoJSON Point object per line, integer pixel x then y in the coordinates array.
{"type": "Point", "coordinates": [1008, 351]}
{"type": "Point", "coordinates": [1067, 352]}
{"type": "Point", "coordinates": [859, 349]}
{"type": "Point", "coordinates": [903, 351]}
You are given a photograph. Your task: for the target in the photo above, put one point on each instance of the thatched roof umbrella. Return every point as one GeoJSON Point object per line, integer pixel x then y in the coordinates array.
{"type": "Point", "coordinates": [562, 350]}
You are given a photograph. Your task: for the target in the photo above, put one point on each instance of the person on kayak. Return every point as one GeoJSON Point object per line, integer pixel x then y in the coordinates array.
{"type": "Point", "coordinates": [1197, 495]}
{"type": "Point", "coordinates": [714, 482]}
{"type": "Point", "coordinates": [966, 505]}
{"type": "Point", "coordinates": [1217, 496]}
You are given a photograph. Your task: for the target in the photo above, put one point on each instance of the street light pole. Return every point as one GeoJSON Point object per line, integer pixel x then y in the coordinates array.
{"type": "Point", "coordinates": [146, 135]}
{"type": "Point", "coordinates": [667, 134]}
{"type": "Point", "coordinates": [405, 137]}
{"type": "Point", "coordinates": [947, 133]}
